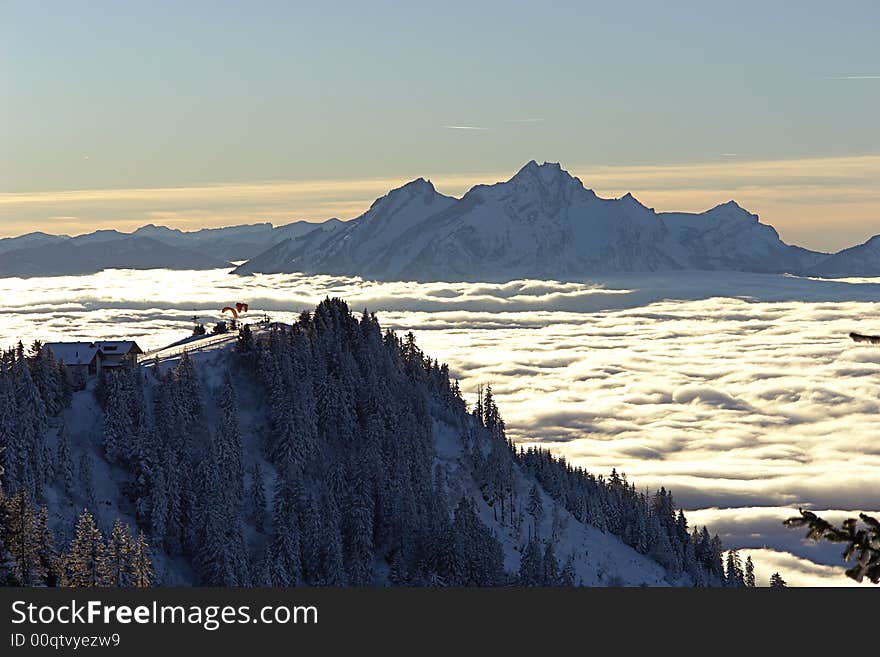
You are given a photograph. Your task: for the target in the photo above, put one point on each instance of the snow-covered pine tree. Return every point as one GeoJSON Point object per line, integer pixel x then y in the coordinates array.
{"type": "Point", "coordinates": [120, 550]}
{"type": "Point", "coordinates": [258, 498]}
{"type": "Point", "coordinates": [284, 546]}
{"type": "Point", "coordinates": [23, 540]}
{"type": "Point", "coordinates": [13, 456]}
{"type": "Point", "coordinates": [531, 565]}
{"type": "Point", "coordinates": [568, 574]}
{"type": "Point", "coordinates": [87, 480]}
{"type": "Point", "coordinates": [227, 437]}
{"type": "Point", "coordinates": [64, 466]}
{"type": "Point", "coordinates": [86, 561]}
{"type": "Point", "coordinates": [49, 378]}
{"type": "Point", "coordinates": [30, 413]}
{"type": "Point", "coordinates": [141, 566]}
{"type": "Point", "coordinates": [535, 509]}
{"type": "Point", "coordinates": [358, 521]}
{"type": "Point", "coordinates": [220, 556]}
{"type": "Point", "coordinates": [46, 553]}
{"type": "Point", "coordinates": [7, 562]}
{"type": "Point", "coordinates": [549, 566]}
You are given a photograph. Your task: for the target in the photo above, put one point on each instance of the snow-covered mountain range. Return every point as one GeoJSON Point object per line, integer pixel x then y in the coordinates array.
{"type": "Point", "coordinates": [542, 223]}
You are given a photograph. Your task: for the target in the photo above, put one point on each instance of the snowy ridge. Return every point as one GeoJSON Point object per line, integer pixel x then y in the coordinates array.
{"type": "Point", "coordinates": [148, 247]}
{"type": "Point", "coordinates": [543, 224]}
{"type": "Point", "coordinates": [860, 260]}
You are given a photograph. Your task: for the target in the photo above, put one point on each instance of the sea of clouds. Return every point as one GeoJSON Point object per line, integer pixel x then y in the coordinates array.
{"type": "Point", "coordinates": [740, 392]}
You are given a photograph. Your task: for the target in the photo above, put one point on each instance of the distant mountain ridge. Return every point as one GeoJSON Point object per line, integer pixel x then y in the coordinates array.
{"type": "Point", "coordinates": [542, 223]}
{"type": "Point", "coordinates": [68, 258]}
{"type": "Point", "coordinates": [148, 247]}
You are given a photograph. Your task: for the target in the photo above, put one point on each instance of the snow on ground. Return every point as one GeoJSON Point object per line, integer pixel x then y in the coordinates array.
{"type": "Point", "coordinates": [600, 559]}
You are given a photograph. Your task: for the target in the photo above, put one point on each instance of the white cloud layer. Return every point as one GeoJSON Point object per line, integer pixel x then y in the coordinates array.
{"type": "Point", "coordinates": [739, 392]}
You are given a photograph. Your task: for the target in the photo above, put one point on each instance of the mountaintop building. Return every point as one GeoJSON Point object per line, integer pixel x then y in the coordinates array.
{"type": "Point", "coordinates": [89, 358]}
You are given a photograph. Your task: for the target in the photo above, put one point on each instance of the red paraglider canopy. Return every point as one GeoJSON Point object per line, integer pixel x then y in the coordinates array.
{"type": "Point", "coordinates": [241, 307]}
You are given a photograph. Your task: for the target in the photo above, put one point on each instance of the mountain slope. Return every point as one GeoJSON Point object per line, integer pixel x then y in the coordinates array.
{"type": "Point", "coordinates": [542, 223]}
{"type": "Point", "coordinates": [30, 240]}
{"type": "Point", "coordinates": [354, 247]}
{"type": "Point", "coordinates": [860, 260]}
{"type": "Point", "coordinates": [233, 242]}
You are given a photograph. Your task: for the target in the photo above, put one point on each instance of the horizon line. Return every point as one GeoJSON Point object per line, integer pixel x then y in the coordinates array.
{"type": "Point", "coordinates": [795, 195]}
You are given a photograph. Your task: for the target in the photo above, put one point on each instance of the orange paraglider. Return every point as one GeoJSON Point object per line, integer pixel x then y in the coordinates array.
{"type": "Point", "coordinates": [232, 310]}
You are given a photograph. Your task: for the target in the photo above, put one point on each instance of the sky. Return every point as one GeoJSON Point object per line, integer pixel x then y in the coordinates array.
{"type": "Point", "coordinates": [215, 113]}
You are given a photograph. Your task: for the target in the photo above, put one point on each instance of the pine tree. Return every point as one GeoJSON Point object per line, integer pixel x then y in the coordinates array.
{"type": "Point", "coordinates": [258, 498]}
{"type": "Point", "coordinates": [358, 525]}
{"type": "Point", "coordinates": [64, 465]}
{"type": "Point", "coordinates": [87, 561]}
{"type": "Point", "coordinates": [549, 567]}
{"type": "Point", "coordinates": [23, 540]}
{"type": "Point", "coordinates": [87, 480]}
{"type": "Point", "coordinates": [750, 573]}
{"type": "Point", "coordinates": [228, 443]}
{"type": "Point", "coordinates": [568, 575]}
{"type": "Point", "coordinates": [861, 543]}
{"type": "Point", "coordinates": [531, 567]}
{"type": "Point", "coordinates": [776, 581]}
{"type": "Point", "coordinates": [284, 546]}
{"type": "Point", "coordinates": [46, 554]}
{"type": "Point", "coordinates": [734, 572]}
{"type": "Point", "coordinates": [141, 566]}
{"type": "Point", "coordinates": [31, 423]}
{"type": "Point", "coordinates": [220, 554]}
{"type": "Point", "coordinates": [536, 509]}
{"type": "Point", "coordinates": [7, 561]}
{"type": "Point", "coordinates": [119, 555]}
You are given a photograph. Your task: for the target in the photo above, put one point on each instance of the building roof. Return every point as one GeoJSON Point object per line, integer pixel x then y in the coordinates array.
{"type": "Point", "coordinates": [73, 353]}
{"type": "Point", "coordinates": [114, 347]}
{"type": "Point", "coordinates": [83, 353]}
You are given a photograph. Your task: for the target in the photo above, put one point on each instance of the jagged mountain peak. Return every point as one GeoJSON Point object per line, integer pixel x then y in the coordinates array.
{"type": "Point", "coordinates": [153, 229]}
{"type": "Point", "coordinates": [415, 192]}
{"type": "Point", "coordinates": [731, 207]}
{"type": "Point", "coordinates": [547, 173]}
{"type": "Point", "coordinates": [417, 186]}
{"type": "Point", "coordinates": [628, 200]}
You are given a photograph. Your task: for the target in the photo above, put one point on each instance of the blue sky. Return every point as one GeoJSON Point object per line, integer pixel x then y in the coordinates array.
{"type": "Point", "coordinates": [108, 96]}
